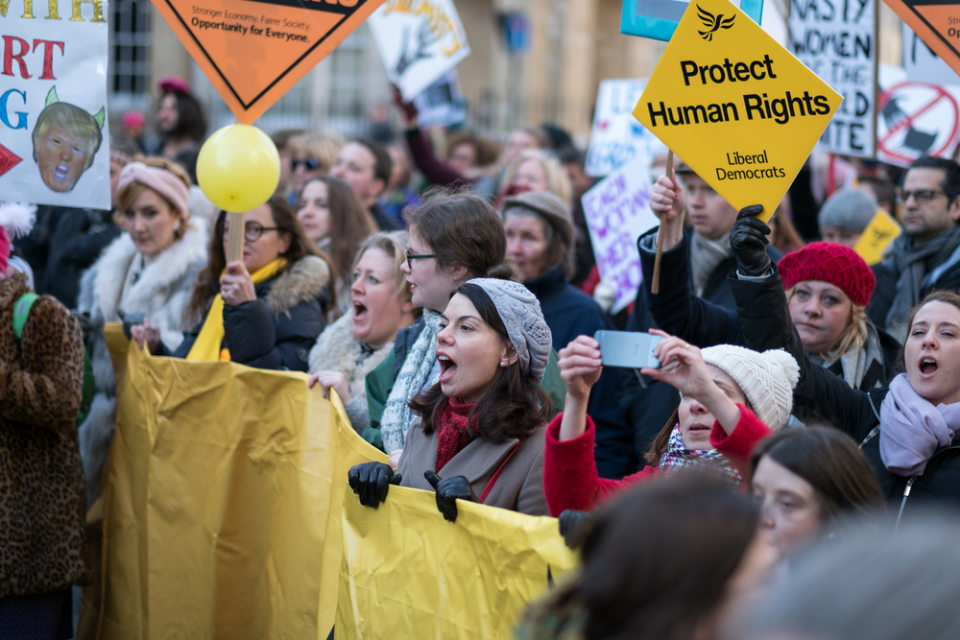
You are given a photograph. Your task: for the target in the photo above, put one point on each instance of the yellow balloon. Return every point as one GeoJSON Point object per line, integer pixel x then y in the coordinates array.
{"type": "Point", "coordinates": [238, 168]}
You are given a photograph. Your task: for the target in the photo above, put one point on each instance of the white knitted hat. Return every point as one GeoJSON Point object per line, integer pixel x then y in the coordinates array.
{"type": "Point", "coordinates": [767, 379]}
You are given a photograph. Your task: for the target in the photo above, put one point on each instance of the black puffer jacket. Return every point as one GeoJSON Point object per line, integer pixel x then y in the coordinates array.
{"type": "Point", "coordinates": [647, 410]}
{"type": "Point", "coordinates": [278, 329]}
{"type": "Point", "coordinates": [821, 395]}
{"type": "Point", "coordinates": [705, 324]}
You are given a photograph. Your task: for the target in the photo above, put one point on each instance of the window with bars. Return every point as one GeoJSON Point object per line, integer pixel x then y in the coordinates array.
{"type": "Point", "coordinates": [348, 74]}
{"type": "Point", "coordinates": [130, 49]}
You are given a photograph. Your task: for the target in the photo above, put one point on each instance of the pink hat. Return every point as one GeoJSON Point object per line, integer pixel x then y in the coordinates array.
{"type": "Point", "coordinates": [15, 220]}
{"type": "Point", "coordinates": [174, 84]}
{"type": "Point", "coordinates": [132, 119]}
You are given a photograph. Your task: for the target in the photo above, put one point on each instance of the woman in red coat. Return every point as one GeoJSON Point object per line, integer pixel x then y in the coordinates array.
{"type": "Point", "coordinates": [732, 398]}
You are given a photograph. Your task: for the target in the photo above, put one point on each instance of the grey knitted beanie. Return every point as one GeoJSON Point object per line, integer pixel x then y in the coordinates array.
{"type": "Point", "coordinates": [767, 379]}
{"type": "Point", "coordinates": [851, 209]}
{"type": "Point", "coordinates": [521, 315]}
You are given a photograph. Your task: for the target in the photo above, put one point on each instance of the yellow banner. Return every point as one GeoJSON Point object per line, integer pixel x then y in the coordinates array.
{"type": "Point", "coordinates": [735, 105]}
{"type": "Point", "coordinates": [882, 230]}
{"type": "Point", "coordinates": [408, 573]}
{"type": "Point", "coordinates": [223, 503]}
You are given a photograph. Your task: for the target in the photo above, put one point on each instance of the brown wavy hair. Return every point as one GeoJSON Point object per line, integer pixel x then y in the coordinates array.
{"type": "Point", "coordinates": [514, 406]}
{"type": "Point", "coordinates": [300, 247]}
{"type": "Point", "coordinates": [350, 224]}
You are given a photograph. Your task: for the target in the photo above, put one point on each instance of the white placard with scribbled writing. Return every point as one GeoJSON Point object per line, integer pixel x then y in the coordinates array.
{"type": "Point", "coordinates": [618, 212]}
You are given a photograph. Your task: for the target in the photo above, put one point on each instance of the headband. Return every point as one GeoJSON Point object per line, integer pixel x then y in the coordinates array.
{"type": "Point", "coordinates": [160, 180]}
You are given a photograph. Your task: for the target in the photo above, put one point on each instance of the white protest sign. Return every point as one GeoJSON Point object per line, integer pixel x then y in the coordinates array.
{"type": "Point", "coordinates": [915, 118]}
{"type": "Point", "coordinates": [922, 64]}
{"type": "Point", "coordinates": [838, 42]}
{"type": "Point", "coordinates": [442, 103]}
{"type": "Point", "coordinates": [54, 145]}
{"type": "Point", "coordinates": [419, 42]}
{"type": "Point", "coordinates": [617, 137]}
{"type": "Point", "coordinates": [618, 212]}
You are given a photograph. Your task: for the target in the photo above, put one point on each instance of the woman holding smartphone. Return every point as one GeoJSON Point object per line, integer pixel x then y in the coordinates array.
{"type": "Point", "coordinates": [731, 398]}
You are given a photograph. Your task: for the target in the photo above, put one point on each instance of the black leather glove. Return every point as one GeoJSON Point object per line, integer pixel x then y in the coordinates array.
{"type": "Point", "coordinates": [574, 526]}
{"type": "Point", "coordinates": [371, 480]}
{"type": "Point", "coordinates": [449, 490]}
{"type": "Point", "coordinates": [748, 239]}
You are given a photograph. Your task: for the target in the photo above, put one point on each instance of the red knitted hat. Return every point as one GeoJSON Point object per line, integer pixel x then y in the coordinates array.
{"type": "Point", "coordinates": [830, 262]}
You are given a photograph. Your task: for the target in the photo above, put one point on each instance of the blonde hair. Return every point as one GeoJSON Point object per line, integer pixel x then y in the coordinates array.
{"type": "Point", "coordinates": [320, 145]}
{"type": "Point", "coordinates": [75, 121]}
{"type": "Point", "coordinates": [854, 335]}
{"type": "Point", "coordinates": [394, 244]}
{"type": "Point", "coordinates": [129, 194]}
{"type": "Point", "coordinates": [558, 182]}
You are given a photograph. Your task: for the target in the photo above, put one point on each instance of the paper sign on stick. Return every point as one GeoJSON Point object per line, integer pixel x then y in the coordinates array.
{"type": "Point", "coordinates": [54, 145]}
{"type": "Point", "coordinates": [254, 51]}
{"type": "Point", "coordinates": [881, 231]}
{"type": "Point", "coordinates": [740, 109]}
{"type": "Point", "coordinates": [419, 42]}
{"type": "Point", "coordinates": [937, 22]}
{"type": "Point", "coordinates": [839, 44]}
{"type": "Point", "coordinates": [658, 19]}
{"type": "Point", "coordinates": [616, 137]}
{"type": "Point", "coordinates": [618, 212]}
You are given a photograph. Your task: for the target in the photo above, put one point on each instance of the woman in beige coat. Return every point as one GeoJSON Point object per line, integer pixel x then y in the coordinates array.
{"type": "Point", "coordinates": [481, 430]}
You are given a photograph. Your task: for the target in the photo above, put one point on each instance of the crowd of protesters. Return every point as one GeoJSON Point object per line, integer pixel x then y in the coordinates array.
{"type": "Point", "coordinates": [806, 406]}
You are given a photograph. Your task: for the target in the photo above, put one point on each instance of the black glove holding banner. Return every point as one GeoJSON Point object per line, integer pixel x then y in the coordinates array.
{"type": "Point", "coordinates": [574, 526]}
{"type": "Point", "coordinates": [748, 239]}
{"type": "Point", "coordinates": [450, 490]}
{"type": "Point", "coordinates": [371, 480]}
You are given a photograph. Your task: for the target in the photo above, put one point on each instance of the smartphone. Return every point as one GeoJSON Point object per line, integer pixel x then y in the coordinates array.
{"type": "Point", "coordinates": [629, 349]}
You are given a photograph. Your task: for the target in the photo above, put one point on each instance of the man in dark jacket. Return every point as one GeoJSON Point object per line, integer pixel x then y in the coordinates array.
{"type": "Point", "coordinates": [365, 165]}
{"type": "Point", "coordinates": [927, 255]}
{"type": "Point", "coordinates": [710, 259]}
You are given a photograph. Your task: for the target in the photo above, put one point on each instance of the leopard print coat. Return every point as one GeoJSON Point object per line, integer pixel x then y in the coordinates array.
{"type": "Point", "coordinates": [42, 490]}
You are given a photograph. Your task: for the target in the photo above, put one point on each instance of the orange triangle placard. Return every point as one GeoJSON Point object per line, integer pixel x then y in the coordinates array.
{"type": "Point", "coordinates": [937, 22]}
{"type": "Point", "coordinates": [254, 51]}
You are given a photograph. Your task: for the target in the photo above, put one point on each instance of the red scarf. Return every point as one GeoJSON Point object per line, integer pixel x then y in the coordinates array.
{"type": "Point", "coordinates": [453, 431]}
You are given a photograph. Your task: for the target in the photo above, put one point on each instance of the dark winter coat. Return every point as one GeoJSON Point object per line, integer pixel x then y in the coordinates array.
{"type": "Point", "coordinates": [825, 397]}
{"type": "Point", "coordinates": [64, 243]}
{"type": "Point", "coordinates": [42, 490]}
{"type": "Point", "coordinates": [647, 410]}
{"type": "Point", "coordinates": [79, 238]}
{"type": "Point", "coordinates": [278, 329]}
{"type": "Point", "coordinates": [570, 313]}
{"type": "Point", "coordinates": [705, 324]}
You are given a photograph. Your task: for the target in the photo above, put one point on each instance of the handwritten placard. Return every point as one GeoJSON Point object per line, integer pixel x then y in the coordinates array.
{"type": "Point", "coordinates": [617, 137]}
{"type": "Point", "coordinates": [618, 212]}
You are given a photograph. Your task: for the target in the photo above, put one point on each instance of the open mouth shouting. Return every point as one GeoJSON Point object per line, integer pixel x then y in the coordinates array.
{"type": "Point", "coordinates": [928, 366]}
{"type": "Point", "coordinates": [448, 368]}
{"type": "Point", "coordinates": [60, 172]}
{"type": "Point", "coordinates": [360, 311]}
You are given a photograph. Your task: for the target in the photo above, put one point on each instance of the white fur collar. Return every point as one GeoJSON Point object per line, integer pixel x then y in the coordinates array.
{"type": "Point", "coordinates": [163, 273]}
{"type": "Point", "coordinates": [337, 350]}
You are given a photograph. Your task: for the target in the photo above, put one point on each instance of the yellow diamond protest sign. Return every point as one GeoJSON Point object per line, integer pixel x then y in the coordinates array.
{"type": "Point", "coordinates": [735, 105]}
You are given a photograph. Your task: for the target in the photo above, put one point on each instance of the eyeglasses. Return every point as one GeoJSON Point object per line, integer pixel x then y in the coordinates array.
{"type": "Point", "coordinates": [922, 196]}
{"type": "Point", "coordinates": [411, 257]}
{"type": "Point", "coordinates": [311, 164]}
{"type": "Point", "coordinates": [252, 231]}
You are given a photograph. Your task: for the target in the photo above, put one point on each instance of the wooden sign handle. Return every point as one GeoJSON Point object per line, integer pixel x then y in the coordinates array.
{"type": "Point", "coordinates": [655, 283]}
{"type": "Point", "coordinates": [235, 237]}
